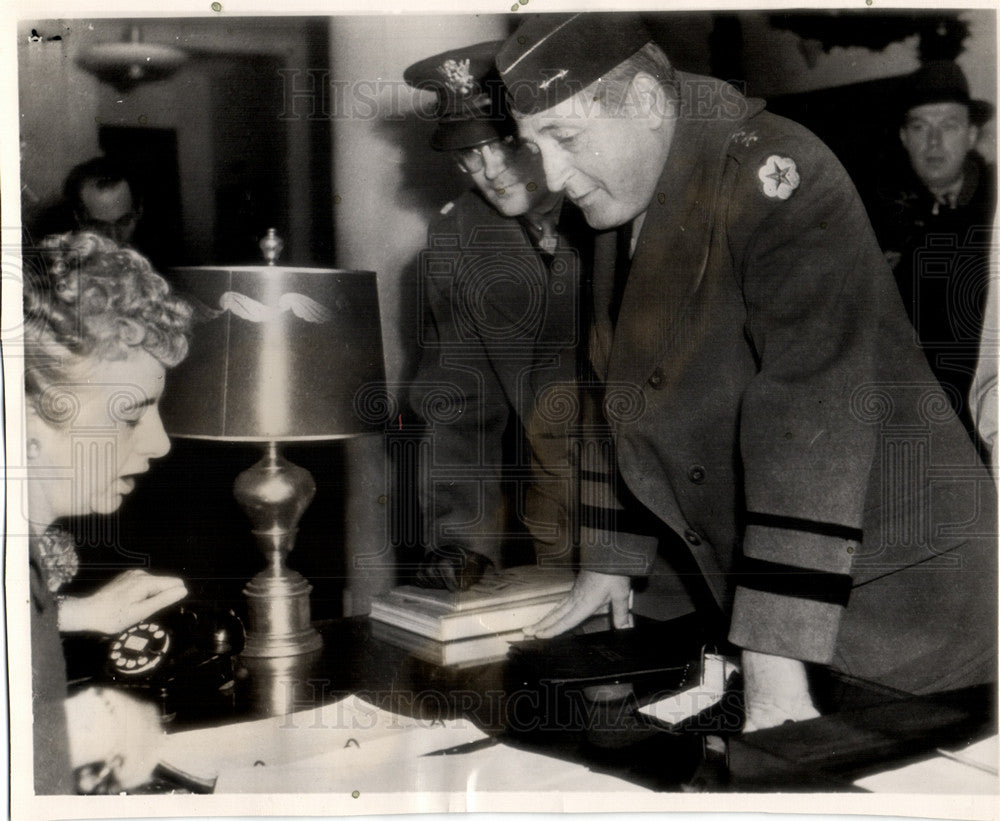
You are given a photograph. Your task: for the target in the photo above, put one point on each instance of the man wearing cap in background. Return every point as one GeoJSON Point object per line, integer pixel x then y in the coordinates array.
{"type": "Point", "coordinates": [499, 280]}
{"type": "Point", "coordinates": [782, 390]}
{"type": "Point", "coordinates": [935, 223]}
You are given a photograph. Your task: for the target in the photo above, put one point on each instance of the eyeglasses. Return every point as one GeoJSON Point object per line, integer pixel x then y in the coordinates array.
{"type": "Point", "coordinates": [472, 159]}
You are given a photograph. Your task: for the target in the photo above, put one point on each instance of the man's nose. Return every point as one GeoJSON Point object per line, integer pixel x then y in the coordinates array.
{"type": "Point", "coordinates": [555, 167]}
{"type": "Point", "coordinates": [494, 161]}
{"type": "Point", "coordinates": [934, 137]}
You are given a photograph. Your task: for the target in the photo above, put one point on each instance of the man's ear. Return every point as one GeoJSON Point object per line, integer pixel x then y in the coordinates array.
{"type": "Point", "coordinates": [973, 136]}
{"type": "Point", "coordinates": [649, 98]}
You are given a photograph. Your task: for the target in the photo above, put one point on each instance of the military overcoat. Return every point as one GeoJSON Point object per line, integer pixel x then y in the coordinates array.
{"type": "Point", "coordinates": [790, 430]}
{"type": "Point", "coordinates": [500, 333]}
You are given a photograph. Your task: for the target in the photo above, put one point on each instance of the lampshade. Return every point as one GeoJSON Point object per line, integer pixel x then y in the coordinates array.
{"type": "Point", "coordinates": [278, 354]}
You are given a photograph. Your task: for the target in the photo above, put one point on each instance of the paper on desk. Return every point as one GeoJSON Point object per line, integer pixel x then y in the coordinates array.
{"type": "Point", "coordinates": [382, 768]}
{"type": "Point", "coordinates": [674, 709]}
{"type": "Point", "coordinates": [941, 774]}
{"type": "Point", "coordinates": [350, 724]}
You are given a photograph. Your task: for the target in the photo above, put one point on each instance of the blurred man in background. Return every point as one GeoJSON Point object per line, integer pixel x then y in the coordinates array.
{"type": "Point", "coordinates": [935, 224]}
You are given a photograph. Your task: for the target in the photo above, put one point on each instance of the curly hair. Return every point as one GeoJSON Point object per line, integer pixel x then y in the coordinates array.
{"type": "Point", "coordinates": [86, 297]}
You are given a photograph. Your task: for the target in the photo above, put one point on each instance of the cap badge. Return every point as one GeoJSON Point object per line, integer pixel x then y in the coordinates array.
{"type": "Point", "coordinates": [779, 177]}
{"type": "Point", "coordinates": [457, 76]}
{"type": "Point", "coordinates": [544, 84]}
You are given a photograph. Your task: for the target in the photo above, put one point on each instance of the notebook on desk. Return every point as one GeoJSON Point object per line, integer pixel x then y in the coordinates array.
{"type": "Point", "coordinates": [850, 744]}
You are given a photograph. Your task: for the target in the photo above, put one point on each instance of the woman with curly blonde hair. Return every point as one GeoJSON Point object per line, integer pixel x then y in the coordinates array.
{"type": "Point", "coordinates": [101, 329]}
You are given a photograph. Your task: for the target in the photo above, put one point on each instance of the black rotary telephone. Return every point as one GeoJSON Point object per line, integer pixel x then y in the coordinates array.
{"type": "Point", "coordinates": [173, 643]}
{"type": "Point", "coordinates": [181, 658]}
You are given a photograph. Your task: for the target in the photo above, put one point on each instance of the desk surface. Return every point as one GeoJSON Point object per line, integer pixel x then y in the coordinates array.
{"type": "Point", "coordinates": [865, 728]}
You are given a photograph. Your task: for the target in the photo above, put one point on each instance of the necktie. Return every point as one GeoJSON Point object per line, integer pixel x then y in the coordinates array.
{"type": "Point", "coordinates": [611, 269]}
{"type": "Point", "coordinates": [623, 263]}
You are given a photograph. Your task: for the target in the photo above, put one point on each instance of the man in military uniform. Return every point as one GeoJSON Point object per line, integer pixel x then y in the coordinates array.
{"type": "Point", "coordinates": [935, 223]}
{"type": "Point", "coordinates": [499, 279]}
{"type": "Point", "coordinates": [791, 433]}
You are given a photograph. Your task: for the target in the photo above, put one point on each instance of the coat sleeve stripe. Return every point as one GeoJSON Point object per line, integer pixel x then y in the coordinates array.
{"type": "Point", "coordinates": [831, 529]}
{"type": "Point", "coordinates": [796, 582]}
{"type": "Point", "coordinates": [639, 523]}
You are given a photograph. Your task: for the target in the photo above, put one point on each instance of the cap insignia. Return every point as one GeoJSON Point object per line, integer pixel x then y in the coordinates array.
{"type": "Point", "coordinates": [457, 76]}
{"type": "Point", "coordinates": [779, 177]}
{"type": "Point", "coordinates": [544, 84]}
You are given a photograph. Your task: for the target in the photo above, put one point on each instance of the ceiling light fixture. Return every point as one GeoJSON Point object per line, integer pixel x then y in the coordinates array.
{"type": "Point", "coordinates": [128, 63]}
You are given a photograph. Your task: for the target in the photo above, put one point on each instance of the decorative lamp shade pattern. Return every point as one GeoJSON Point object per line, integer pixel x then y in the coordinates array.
{"type": "Point", "coordinates": [278, 354]}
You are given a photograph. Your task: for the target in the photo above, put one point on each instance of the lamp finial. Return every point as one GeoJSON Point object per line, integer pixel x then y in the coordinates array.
{"type": "Point", "coordinates": [271, 246]}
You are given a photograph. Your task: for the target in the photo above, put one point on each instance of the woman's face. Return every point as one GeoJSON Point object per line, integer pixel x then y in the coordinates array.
{"type": "Point", "coordinates": [95, 435]}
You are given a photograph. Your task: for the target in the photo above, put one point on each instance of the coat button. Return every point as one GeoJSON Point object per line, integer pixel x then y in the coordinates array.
{"type": "Point", "coordinates": [696, 473]}
{"type": "Point", "coordinates": [692, 537]}
{"type": "Point", "coordinates": [656, 380]}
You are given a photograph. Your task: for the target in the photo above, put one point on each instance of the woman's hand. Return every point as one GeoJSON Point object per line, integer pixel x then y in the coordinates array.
{"type": "Point", "coordinates": [127, 599]}
{"type": "Point", "coordinates": [107, 727]}
{"type": "Point", "coordinates": [775, 691]}
{"type": "Point", "coordinates": [590, 593]}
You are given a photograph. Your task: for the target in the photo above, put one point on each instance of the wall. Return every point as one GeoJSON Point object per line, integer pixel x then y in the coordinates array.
{"type": "Point", "coordinates": [61, 107]}
{"type": "Point", "coordinates": [781, 62]}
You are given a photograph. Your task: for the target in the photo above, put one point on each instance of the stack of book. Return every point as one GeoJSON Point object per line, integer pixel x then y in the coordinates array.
{"type": "Point", "coordinates": [471, 626]}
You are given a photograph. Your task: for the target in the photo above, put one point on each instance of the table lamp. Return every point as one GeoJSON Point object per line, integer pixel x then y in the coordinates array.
{"type": "Point", "coordinates": [278, 354]}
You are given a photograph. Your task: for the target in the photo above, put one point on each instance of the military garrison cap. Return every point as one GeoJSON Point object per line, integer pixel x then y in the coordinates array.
{"type": "Point", "coordinates": [471, 107]}
{"type": "Point", "coordinates": [551, 57]}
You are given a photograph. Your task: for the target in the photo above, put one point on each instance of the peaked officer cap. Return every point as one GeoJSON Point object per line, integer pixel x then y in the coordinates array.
{"type": "Point", "coordinates": [471, 108]}
{"type": "Point", "coordinates": [551, 57]}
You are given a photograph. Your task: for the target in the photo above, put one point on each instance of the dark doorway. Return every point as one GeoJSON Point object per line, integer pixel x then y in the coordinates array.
{"type": "Point", "coordinates": [150, 155]}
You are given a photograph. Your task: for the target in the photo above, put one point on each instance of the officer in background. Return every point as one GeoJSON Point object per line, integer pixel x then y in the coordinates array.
{"type": "Point", "coordinates": [99, 196]}
{"type": "Point", "coordinates": [790, 431]}
{"type": "Point", "coordinates": [499, 283]}
{"type": "Point", "coordinates": [935, 223]}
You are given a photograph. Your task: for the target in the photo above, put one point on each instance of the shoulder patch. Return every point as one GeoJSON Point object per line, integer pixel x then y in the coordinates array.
{"type": "Point", "coordinates": [779, 177]}
{"type": "Point", "coordinates": [447, 208]}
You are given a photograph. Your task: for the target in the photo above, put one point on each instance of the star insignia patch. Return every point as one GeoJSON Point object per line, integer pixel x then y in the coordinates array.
{"type": "Point", "coordinates": [779, 177]}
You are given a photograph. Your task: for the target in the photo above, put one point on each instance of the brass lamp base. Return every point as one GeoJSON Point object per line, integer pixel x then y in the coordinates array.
{"type": "Point", "coordinates": [274, 493]}
{"type": "Point", "coordinates": [278, 616]}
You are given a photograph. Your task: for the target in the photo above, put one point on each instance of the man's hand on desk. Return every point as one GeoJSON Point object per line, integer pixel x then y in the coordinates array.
{"type": "Point", "coordinates": [591, 591]}
{"type": "Point", "coordinates": [127, 599]}
{"type": "Point", "coordinates": [775, 691]}
{"type": "Point", "coordinates": [453, 568]}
